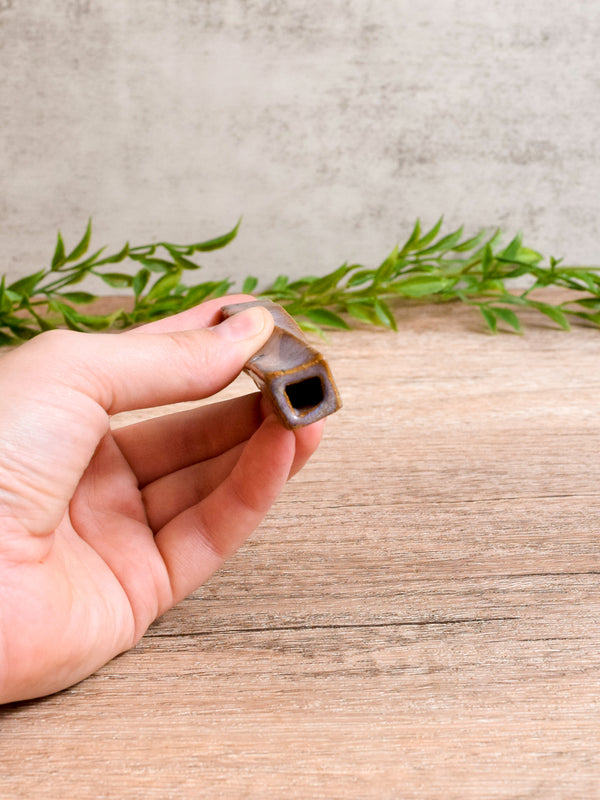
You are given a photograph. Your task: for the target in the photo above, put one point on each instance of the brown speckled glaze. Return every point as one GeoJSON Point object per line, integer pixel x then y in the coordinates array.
{"type": "Point", "coordinates": [291, 373]}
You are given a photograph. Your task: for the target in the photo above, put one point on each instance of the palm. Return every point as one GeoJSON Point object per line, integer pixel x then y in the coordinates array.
{"type": "Point", "coordinates": [126, 575]}
{"type": "Point", "coordinates": [100, 585]}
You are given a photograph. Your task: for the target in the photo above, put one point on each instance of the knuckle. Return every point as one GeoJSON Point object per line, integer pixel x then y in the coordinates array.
{"type": "Point", "coordinates": [54, 344]}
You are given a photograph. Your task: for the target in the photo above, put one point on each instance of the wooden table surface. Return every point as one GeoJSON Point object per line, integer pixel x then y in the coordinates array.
{"type": "Point", "coordinates": [418, 617]}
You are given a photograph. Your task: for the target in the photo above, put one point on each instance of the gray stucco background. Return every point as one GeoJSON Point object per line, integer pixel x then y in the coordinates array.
{"type": "Point", "coordinates": [329, 125]}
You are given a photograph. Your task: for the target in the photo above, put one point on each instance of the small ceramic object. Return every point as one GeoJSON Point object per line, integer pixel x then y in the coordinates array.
{"type": "Point", "coordinates": [293, 375]}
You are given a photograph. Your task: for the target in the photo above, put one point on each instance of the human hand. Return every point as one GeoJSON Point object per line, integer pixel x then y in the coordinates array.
{"type": "Point", "coordinates": [102, 531]}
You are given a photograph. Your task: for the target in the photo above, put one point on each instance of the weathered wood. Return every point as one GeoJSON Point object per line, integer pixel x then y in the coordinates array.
{"type": "Point", "coordinates": [417, 618]}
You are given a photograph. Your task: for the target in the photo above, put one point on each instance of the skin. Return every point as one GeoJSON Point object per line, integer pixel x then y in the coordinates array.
{"type": "Point", "coordinates": [102, 531]}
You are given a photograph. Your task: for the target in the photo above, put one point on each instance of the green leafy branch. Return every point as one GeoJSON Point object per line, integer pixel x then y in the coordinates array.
{"type": "Point", "coordinates": [429, 266]}
{"type": "Point", "coordinates": [46, 299]}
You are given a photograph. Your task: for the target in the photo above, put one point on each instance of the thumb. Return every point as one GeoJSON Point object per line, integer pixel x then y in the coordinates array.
{"type": "Point", "coordinates": [157, 368]}
{"type": "Point", "coordinates": [137, 369]}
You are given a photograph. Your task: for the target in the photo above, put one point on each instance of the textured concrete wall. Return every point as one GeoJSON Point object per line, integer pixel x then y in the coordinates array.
{"type": "Point", "coordinates": [329, 125]}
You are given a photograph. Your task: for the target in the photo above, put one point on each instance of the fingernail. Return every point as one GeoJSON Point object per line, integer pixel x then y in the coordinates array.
{"type": "Point", "coordinates": [243, 325]}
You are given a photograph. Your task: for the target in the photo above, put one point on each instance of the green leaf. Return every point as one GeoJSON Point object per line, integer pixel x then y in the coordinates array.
{"type": "Point", "coordinates": [79, 298]}
{"type": "Point", "coordinates": [19, 328]}
{"type": "Point", "coordinates": [192, 295]}
{"type": "Point", "coordinates": [249, 285]}
{"type": "Point", "coordinates": [6, 340]}
{"type": "Point", "coordinates": [508, 316]}
{"type": "Point", "coordinates": [215, 244]}
{"type": "Point", "coordinates": [120, 256]}
{"type": "Point", "coordinates": [361, 311]}
{"type": "Point", "coordinates": [491, 242]}
{"type": "Point", "coordinates": [5, 301]}
{"type": "Point", "coordinates": [420, 286]}
{"type": "Point", "coordinates": [329, 281]}
{"type": "Point", "coordinates": [91, 260]}
{"type": "Point", "coordinates": [80, 322]}
{"type": "Point", "coordinates": [361, 277]}
{"type": "Point", "coordinates": [507, 297]}
{"type": "Point", "coordinates": [26, 286]}
{"type": "Point", "coordinates": [221, 288]}
{"type": "Point", "coordinates": [487, 259]}
{"type": "Point", "coordinates": [158, 265]}
{"type": "Point", "coordinates": [554, 313]}
{"type": "Point", "coordinates": [76, 277]}
{"type": "Point", "coordinates": [385, 315]}
{"type": "Point", "coordinates": [590, 280]}
{"type": "Point", "coordinates": [8, 298]}
{"type": "Point", "coordinates": [44, 323]}
{"type": "Point", "coordinates": [83, 245]}
{"type": "Point", "coordinates": [489, 317]}
{"type": "Point", "coordinates": [279, 284]}
{"type": "Point", "coordinates": [59, 258]}
{"type": "Point", "coordinates": [182, 261]}
{"type": "Point", "coordinates": [445, 244]}
{"type": "Point", "coordinates": [310, 327]}
{"type": "Point", "coordinates": [529, 256]}
{"type": "Point", "coordinates": [68, 316]}
{"type": "Point", "coordinates": [387, 268]}
{"type": "Point", "coordinates": [302, 283]}
{"type": "Point", "coordinates": [594, 318]}
{"type": "Point", "coordinates": [283, 296]}
{"type": "Point", "coordinates": [196, 294]}
{"type": "Point", "coordinates": [589, 302]}
{"type": "Point", "coordinates": [115, 279]}
{"type": "Point", "coordinates": [98, 322]}
{"type": "Point", "coordinates": [322, 316]}
{"type": "Point", "coordinates": [517, 272]}
{"type": "Point", "coordinates": [511, 251]}
{"type": "Point", "coordinates": [430, 236]}
{"type": "Point", "coordinates": [13, 296]}
{"type": "Point", "coordinates": [164, 286]}
{"type": "Point", "coordinates": [140, 280]}
{"type": "Point", "coordinates": [411, 242]}
{"type": "Point", "coordinates": [469, 244]}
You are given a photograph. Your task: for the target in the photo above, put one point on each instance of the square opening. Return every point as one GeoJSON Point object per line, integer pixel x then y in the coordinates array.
{"type": "Point", "coordinates": [305, 395]}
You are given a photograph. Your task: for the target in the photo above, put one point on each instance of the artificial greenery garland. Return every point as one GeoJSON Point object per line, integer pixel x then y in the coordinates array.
{"type": "Point", "coordinates": [429, 266]}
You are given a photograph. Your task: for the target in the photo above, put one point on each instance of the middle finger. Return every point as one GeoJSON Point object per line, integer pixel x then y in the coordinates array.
{"type": "Point", "coordinates": [157, 447]}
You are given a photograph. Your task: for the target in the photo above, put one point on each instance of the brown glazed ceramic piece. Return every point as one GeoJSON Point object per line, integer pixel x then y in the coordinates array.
{"type": "Point", "coordinates": [289, 372]}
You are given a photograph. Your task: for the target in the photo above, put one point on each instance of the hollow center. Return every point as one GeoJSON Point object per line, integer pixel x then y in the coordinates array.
{"type": "Point", "coordinates": [305, 395]}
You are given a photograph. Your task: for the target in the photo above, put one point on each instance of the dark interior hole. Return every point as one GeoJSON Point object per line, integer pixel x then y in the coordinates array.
{"type": "Point", "coordinates": [305, 395]}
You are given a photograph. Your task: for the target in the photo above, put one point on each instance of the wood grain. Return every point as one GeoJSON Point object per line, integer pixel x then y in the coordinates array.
{"type": "Point", "coordinates": [418, 617]}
